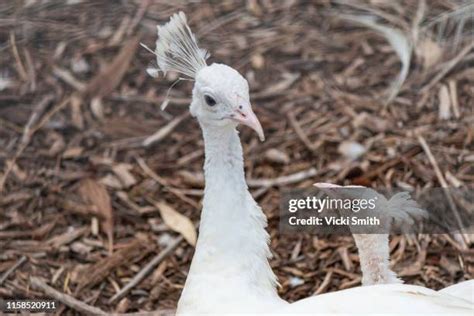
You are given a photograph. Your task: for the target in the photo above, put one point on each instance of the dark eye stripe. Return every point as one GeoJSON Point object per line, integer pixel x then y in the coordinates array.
{"type": "Point", "coordinates": [209, 100]}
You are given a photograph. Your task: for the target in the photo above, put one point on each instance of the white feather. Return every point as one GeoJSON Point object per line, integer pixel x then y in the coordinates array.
{"type": "Point", "coordinates": [464, 290]}
{"type": "Point", "coordinates": [177, 48]}
{"type": "Point", "coordinates": [452, 28]}
{"type": "Point", "coordinates": [399, 42]}
{"type": "Point", "coordinates": [374, 253]}
{"type": "Point", "coordinates": [152, 72]}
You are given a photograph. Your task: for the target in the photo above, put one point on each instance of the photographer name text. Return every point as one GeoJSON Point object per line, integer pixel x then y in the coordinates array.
{"type": "Point", "coordinates": [334, 221]}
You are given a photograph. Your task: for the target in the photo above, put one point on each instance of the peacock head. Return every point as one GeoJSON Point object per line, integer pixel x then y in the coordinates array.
{"type": "Point", "coordinates": [220, 95]}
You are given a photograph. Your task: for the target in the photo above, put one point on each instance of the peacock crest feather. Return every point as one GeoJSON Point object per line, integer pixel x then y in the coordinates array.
{"type": "Point", "coordinates": [177, 49]}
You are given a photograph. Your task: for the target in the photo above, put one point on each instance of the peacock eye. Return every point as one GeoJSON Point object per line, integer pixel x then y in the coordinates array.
{"type": "Point", "coordinates": [209, 100]}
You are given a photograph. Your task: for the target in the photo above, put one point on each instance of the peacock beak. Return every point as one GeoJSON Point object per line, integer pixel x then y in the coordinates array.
{"type": "Point", "coordinates": [243, 114]}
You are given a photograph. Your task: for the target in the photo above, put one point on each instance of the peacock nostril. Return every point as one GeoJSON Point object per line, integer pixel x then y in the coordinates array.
{"type": "Point", "coordinates": [241, 107]}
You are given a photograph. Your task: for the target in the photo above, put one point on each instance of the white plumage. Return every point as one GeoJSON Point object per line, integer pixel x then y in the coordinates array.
{"type": "Point", "coordinates": [177, 49]}
{"type": "Point", "coordinates": [398, 211]}
{"type": "Point", "coordinates": [230, 272]}
{"type": "Point", "coordinates": [464, 290]}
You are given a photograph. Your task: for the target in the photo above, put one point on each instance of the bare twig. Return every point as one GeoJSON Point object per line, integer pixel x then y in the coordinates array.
{"type": "Point", "coordinates": [324, 284]}
{"type": "Point", "coordinates": [28, 132]}
{"type": "Point", "coordinates": [31, 70]}
{"type": "Point", "coordinates": [19, 65]}
{"type": "Point", "coordinates": [150, 172]}
{"type": "Point", "coordinates": [65, 298]}
{"type": "Point", "coordinates": [68, 78]}
{"type": "Point", "coordinates": [448, 67]}
{"type": "Point", "coordinates": [165, 130]}
{"type": "Point", "coordinates": [164, 183]}
{"type": "Point", "coordinates": [418, 18]}
{"type": "Point", "coordinates": [299, 131]}
{"type": "Point", "coordinates": [453, 94]}
{"type": "Point", "coordinates": [147, 269]}
{"type": "Point", "coordinates": [50, 114]}
{"type": "Point", "coordinates": [432, 160]}
{"type": "Point", "coordinates": [444, 185]}
{"type": "Point", "coordinates": [12, 269]}
{"type": "Point", "coordinates": [389, 164]}
{"type": "Point", "coordinates": [138, 16]}
{"type": "Point", "coordinates": [82, 307]}
{"type": "Point", "coordinates": [35, 116]}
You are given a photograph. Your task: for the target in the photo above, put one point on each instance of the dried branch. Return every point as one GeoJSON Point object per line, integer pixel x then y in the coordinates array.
{"type": "Point", "coordinates": [12, 269]}
{"type": "Point", "coordinates": [147, 269]}
{"type": "Point", "coordinates": [66, 299]}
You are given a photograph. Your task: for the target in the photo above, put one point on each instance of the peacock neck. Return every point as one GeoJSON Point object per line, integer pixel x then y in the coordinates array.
{"type": "Point", "coordinates": [223, 158]}
{"type": "Point", "coordinates": [233, 242]}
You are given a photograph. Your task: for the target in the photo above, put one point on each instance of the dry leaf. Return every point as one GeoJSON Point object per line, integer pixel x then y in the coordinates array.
{"type": "Point", "coordinates": [155, 277]}
{"type": "Point", "coordinates": [96, 194]}
{"type": "Point", "coordinates": [177, 222]}
{"type": "Point", "coordinates": [57, 143]}
{"type": "Point", "coordinates": [73, 152]}
{"type": "Point", "coordinates": [111, 75]}
{"type": "Point", "coordinates": [81, 248]}
{"type": "Point", "coordinates": [97, 108]}
{"type": "Point", "coordinates": [123, 305]}
{"type": "Point", "coordinates": [122, 171]}
{"type": "Point", "coordinates": [257, 61]}
{"type": "Point", "coordinates": [111, 181]}
{"type": "Point", "coordinates": [430, 52]}
{"type": "Point", "coordinates": [254, 8]}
